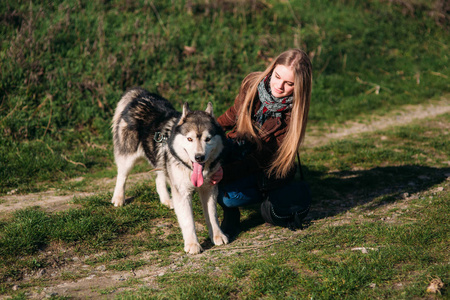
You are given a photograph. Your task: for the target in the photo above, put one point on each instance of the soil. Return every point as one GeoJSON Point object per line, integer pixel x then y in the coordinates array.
{"type": "Point", "coordinates": [71, 276]}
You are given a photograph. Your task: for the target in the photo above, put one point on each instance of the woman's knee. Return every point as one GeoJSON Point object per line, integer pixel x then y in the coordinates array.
{"type": "Point", "coordinates": [241, 198]}
{"type": "Point", "coordinates": [239, 193]}
{"type": "Point", "coordinates": [232, 199]}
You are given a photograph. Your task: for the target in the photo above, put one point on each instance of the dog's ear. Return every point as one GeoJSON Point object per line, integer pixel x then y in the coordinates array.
{"type": "Point", "coordinates": [209, 109]}
{"type": "Point", "coordinates": [186, 110]}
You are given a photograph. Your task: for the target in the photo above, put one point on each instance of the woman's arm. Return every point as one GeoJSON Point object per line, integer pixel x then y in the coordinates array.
{"type": "Point", "coordinates": [228, 119]}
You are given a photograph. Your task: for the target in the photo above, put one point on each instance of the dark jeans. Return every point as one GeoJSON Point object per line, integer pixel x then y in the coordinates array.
{"type": "Point", "coordinates": [245, 191]}
{"type": "Point", "coordinates": [241, 192]}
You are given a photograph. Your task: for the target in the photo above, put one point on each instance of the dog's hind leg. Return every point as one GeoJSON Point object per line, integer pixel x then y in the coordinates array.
{"type": "Point", "coordinates": [208, 198]}
{"type": "Point", "coordinates": [161, 188]}
{"type": "Point", "coordinates": [124, 165]}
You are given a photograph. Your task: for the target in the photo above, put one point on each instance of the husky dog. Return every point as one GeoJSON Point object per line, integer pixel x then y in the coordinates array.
{"type": "Point", "coordinates": [185, 148]}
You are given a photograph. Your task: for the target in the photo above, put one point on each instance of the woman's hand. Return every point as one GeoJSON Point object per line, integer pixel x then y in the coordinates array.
{"type": "Point", "coordinates": [216, 177]}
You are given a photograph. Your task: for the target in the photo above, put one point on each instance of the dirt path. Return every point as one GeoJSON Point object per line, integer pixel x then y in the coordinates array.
{"type": "Point", "coordinates": [403, 116]}
{"type": "Point", "coordinates": [99, 283]}
{"type": "Point", "coordinates": [57, 200]}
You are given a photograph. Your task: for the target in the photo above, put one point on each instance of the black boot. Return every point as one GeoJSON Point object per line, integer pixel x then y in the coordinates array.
{"type": "Point", "coordinates": [231, 219]}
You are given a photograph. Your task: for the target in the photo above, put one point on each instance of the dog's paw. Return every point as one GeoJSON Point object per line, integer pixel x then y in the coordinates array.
{"type": "Point", "coordinates": [167, 202]}
{"type": "Point", "coordinates": [193, 248]}
{"type": "Point", "coordinates": [220, 239]}
{"type": "Point", "coordinates": [118, 201]}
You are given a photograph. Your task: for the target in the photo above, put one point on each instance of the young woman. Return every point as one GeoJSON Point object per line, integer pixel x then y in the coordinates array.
{"type": "Point", "coordinates": [266, 126]}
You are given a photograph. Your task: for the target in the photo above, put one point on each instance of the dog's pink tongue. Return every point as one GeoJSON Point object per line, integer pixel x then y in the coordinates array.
{"type": "Point", "coordinates": [197, 176]}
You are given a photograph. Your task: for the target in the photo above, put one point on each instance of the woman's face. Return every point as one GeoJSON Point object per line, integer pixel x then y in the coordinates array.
{"type": "Point", "coordinates": [282, 81]}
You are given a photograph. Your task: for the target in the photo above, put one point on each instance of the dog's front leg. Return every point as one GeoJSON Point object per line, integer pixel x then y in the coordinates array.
{"type": "Point", "coordinates": [183, 209]}
{"type": "Point", "coordinates": [208, 198]}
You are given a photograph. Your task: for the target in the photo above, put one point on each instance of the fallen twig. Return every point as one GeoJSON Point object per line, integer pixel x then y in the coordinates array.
{"type": "Point", "coordinates": [73, 162]}
{"type": "Point", "coordinates": [364, 249]}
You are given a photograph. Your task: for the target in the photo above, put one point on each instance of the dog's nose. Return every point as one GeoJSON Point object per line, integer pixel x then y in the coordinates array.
{"type": "Point", "coordinates": [199, 158]}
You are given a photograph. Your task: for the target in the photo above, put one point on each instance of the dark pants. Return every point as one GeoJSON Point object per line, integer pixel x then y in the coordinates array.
{"type": "Point", "coordinates": [241, 192]}
{"type": "Point", "coordinates": [245, 191]}
{"type": "Point", "coordinates": [286, 205]}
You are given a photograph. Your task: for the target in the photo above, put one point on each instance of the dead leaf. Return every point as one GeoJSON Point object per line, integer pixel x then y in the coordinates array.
{"type": "Point", "coordinates": [436, 285]}
{"type": "Point", "coordinates": [189, 50]}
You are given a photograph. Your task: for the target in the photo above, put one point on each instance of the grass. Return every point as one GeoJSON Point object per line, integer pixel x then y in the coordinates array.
{"type": "Point", "coordinates": [64, 66]}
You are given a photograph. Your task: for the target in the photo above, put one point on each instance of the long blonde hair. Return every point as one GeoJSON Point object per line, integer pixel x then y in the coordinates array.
{"type": "Point", "coordinates": [301, 65]}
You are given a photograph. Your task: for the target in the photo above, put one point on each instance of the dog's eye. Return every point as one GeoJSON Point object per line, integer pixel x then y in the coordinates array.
{"type": "Point", "coordinates": [207, 139]}
{"type": "Point", "coordinates": [189, 139]}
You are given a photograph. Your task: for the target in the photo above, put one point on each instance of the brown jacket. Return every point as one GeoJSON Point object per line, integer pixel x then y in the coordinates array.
{"type": "Point", "coordinates": [272, 135]}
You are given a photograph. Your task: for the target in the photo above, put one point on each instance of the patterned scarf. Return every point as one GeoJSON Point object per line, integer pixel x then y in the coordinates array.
{"type": "Point", "coordinates": [270, 105]}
